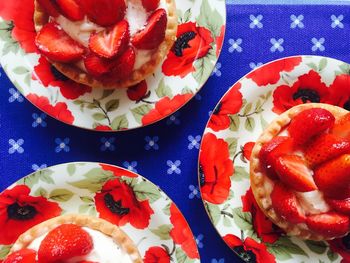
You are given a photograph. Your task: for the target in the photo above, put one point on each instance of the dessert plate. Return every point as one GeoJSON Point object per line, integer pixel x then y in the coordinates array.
{"type": "Point", "coordinates": [236, 122]}
{"type": "Point", "coordinates": [173, 84]}
{"type": "Point", "coordinates": [143, 211]}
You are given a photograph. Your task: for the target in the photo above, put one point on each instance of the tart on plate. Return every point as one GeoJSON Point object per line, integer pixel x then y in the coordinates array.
{"type": "Point", "coordinates": [105, 43]}
{"type": "Point", "coordinates": [300, 171]}
{"type": "Point", "coordinates": [74, 239]}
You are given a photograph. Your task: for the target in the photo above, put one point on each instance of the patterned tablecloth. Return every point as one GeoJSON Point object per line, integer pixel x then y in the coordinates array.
{"type": "Point", "coordinates": [167, 153]}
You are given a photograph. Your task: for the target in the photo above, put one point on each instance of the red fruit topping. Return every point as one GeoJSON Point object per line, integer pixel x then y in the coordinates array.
{"type": "Point", "coordinates": [64, 242]}
{"type": "Point", "coordinates": [55, 44]}
{"type": "Point", "coordinates": [292, 171]}
{"type": "Point", "coordinates": [138, 91]}
{"type": "Point", "coordinates": [50, 7]}
{"type": "Point", "coordinates": [104, 12]}
{"type": "Point", "coordinates": [341, 206]}
{"type": "Point", "coordinates": [24, 255]}
{"type": "Point", "coordinates": [309, 123]}
{"type": "Point", "coordinates": [153, 33]}
{"type": "Point", "coordinates": [333, 177]}
{"type": "Point", "coordinates": [85, 261]}
{"type": "Point", "coordinates": [97, 66]}
{"type": "Point", "coordinates": [285, 204]}
{"type": "Point", "coordinates": [330, 224]}
{"type": "Point", "coordinates": [342, 127]}
{"type": "Point", "coordinates": [150, 5]}
{"type": "Point", "coordinates": [111, 42]}
{"type": "Point", "coordinates": [325, 147]}
{"type": "Point", "coordinates": [71, 9]}
{"type": "Point", "coordinates": [124, 65]}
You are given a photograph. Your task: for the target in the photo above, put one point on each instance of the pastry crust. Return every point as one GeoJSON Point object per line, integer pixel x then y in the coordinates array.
{"type": "Point", "coordinates": [94, 223]}
{"type": "Point", "coordinates": [259, 180]}
{"type": "Point", "coordinates": [75, 73]}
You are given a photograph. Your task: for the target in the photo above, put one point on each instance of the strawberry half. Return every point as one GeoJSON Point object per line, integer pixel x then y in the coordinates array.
{"type": "Point", "coordinates": [64, 242]}
{"type": "Point", "coordinates": [325, 147]}
{"type": "Point", "coordinates": [286, 205]}
{"type": "Point", "coordinates": [153, 34]}
{"type": "Point", "coordinates": [150, 5]}
{"type": "Point", "coordinates": [292, 171]}
{"type": "Point", "coordinates": [111, 42]}
{"type": "Point", "coordinates": [341, 206]}
{"type": "Point", "coordinates": [342, 127]}
{"type": "Point", "coordinates": [50, 7]}
{"type": "Point", "coordinates": [333, 177]}
{"type": "Point", "coordinates": [310, 123]}
{"type": "Point", "coordinates": [71, 9]}
{"type": "Point", "coordinates": [330, 224]}
{"type": "Point", "coordinates": [123, 65]}
{"type": "Point", "coordinates": [24, 255]}
{"type": "Point", "coordinates": [57, 45]}
{"type": "Point", "coordinates": [104, 12]}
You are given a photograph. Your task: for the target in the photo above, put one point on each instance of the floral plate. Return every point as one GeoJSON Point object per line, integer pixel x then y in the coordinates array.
{"type": "Point", "coordinates": [140, 208]}
{"type": "Point", "coordinates": [236, 122]}
{"type": "Point", "coordinates": [172, 85]}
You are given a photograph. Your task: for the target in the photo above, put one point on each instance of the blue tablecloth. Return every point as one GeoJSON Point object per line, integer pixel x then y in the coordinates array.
{"type": "Point", "coordinates": [255, 34]}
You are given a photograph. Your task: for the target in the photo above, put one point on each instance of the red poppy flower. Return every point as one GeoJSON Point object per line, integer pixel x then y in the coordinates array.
{"type": "Point", "coordinates": [342, 247]}
{"type": "Point", "coordinates": [229, 105]}
{"type": "Point", "coordinates": [118, 171]}
{"type": "Point", "coordinates": [49, 75]}
{"type": "Point", "coordinates": [138, 91]}
{"type": "Point", "coordinates": [103, 128]}
{"type": "Point", "coordinates": [192, 43]}
{"type": "Point", "coordinates": [181, 233]}
{"type": "Point", "coordinates": [220, 40]}
{"type": "Point", "coordinates": [21, 13]}
{"type": "Point", "coordinates": [265, 229]}
{"type": "Point", "coordinates": [247, 150]}
{"type": "Point", "coordinates": [156, 255]}
{"type": "Point", "coordinates": [249, 249]}
{"type": "Point", "coordinates": [340, 91]}
{"type": "Point", "coordinates": [117, 204]}
{"type": "Point", "coordinates": [165, 107]}
{"type": "Point", "coordinates": [271, 73]}
{"type": "Point", "coordinates": [59, 111]}
{"type": "Point", "coordinates": [308, 88]}
{"type": "Point", "coordinates": [19, 211]}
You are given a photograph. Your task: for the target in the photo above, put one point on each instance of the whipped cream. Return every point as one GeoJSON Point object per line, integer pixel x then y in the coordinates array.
{"type": "Point", "coordinates": [312, 203]}
{"type": "Point", "coordinates": [136, 16]}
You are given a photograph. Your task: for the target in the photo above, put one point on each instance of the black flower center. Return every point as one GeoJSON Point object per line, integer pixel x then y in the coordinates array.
{"type": "Point", "coordinates": [115, 206]}
{"type": "Point", "coordinates": [347, 105]}
{"type": "Point", "coordinates": [217, 109]}
{"type": "Point", "coordinates": [201, 176]}
{"type": "Point", "coordinates": [346, 241]}
{"type": "Point", "coordinates": [307, 95]}
{"type": "Point", "coordinates": [17, 212]}
{"type": "Point", "coordinates": [57, 74]}
{"type": "Point", "coordinates": [182, 42]}
{"type": "Point", "coordinates": [247, 256]}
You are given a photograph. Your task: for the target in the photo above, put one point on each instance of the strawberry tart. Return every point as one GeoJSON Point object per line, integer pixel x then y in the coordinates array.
{"type": "Point", "coordinates": [105, 43]}
{"type": "Point", "coordinates": [300, 171]}
{"type": "Point", "coordinates": [74, 239]}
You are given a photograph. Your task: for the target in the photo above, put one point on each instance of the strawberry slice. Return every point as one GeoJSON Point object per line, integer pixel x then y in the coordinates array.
{"type": "Point", "coordinates": [150, 5]}
{"type": "Point", "coordinates": [71, 9]}
{"type": "Point", "coordinates": [341, 206]}
{"type": "Point", "coordinates": [292, 171]}
{"type": "Point", "coordinates": [278, 146]}
{"type": "Point", "coordinates": [96, 65]}
{"type": "Point", "coordinates": [104, 12]}
{"type": "Point", "coordinates": [333, 177]}
{"type": "Point", "coordinates": [286, 205]}
{"type": "Point", "coordinates": [123, 65]}
{"type": "Point", "coordinates": [111, 42]}
{"type": "Point", "coordinates": [325, 147]}
{"type": "Point", "coordinates": [330, 224]}
{"type": "Point", "coordinates": [50, 7]}
{"type": "Point", "coordinates": [55, 44]}
{"type": "Point", "coordinates": [153, 34]}
{"type": "Point", "coordinates": [65, 242]}
{"type": "Point", "coordinates": [342, 127]}
{"type": "Point", "coordinates": [24, 255]}
{"type": "Point", "coordinates": [309, 123]}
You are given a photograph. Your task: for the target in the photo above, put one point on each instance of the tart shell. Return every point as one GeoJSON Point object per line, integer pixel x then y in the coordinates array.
{"type": "Point", "coordinates": [259, 179]}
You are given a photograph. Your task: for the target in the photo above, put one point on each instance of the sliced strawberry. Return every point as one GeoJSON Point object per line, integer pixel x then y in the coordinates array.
{"type": "Point", "coordinates": [153, 34]}
{"type": "Point", "coordinates": [278, 146]}
{"type": "Point", "coordinates": [292, 171]}
{"type": "Point", "coordinates": [341, 206]}
{"type": "Point", "coordinates": [55, 44]}
{"type": "Point", "coordinates": [285, 204]}
{"type": "Point", "coordinates": [50, 7]}
{"type": "Point", "coordinates": [65, 242]}
{"type": "Point", "coordinates": [150, 5]}
{"type": "Point", "coordinates": [104, 12]}
{"type": "Point", "coordinates": [124, 65]}
{"type": "Point", "coordinates": [333, 177]}
{"type": "Point", "coordinates": [330, 224]}
{"type": "Point", "coordinates": [24, 255]}
{"type": "Point", "coordinates": [111, 42]}
{"type": "Point", "coordinates": [325, 147]}
{"type": "Point", "coordinates": [310, 123]}
{"type": "Point", "coordinates": [71, 9]}
{"type": "Point", "coordinates": [342, 127]}
{"type": "Point", "coordinates": [96, 65]}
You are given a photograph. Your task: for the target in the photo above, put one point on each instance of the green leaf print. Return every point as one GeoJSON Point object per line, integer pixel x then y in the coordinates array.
{"type": "Point", "coordinates": [319, 247]}
{"type": "Point", "coordinates": [87, 199]}
{"type": "Point", "coordinates": [120, 123]}
{"type": "Point", "coordinates": [284, 249]}
{"type": "Point", "coordinates": [181, 257]}
{"type": "Point", "coordinates": [33, 179]}
{"type": "Point", "coordinates": [232, 145]}
{"type": "Point", "coordinates": [71, 168]}
{"type": "Point", "coordinates": [210, 18]}
{"type": "Point", "coordinates": [242, 219]}
{"type": "Point", "coordinates": [61, 195]}
{"type": "Point", "coordinates": [323, 64]}
{"type": "Point", "coordinates": [163, 90]}
{"type": "Point", "coordinates": [41, 192]}
{"type": "Point", "coordinates": [112, 105]}
{"type": "Point", "coordinates": [214, 212]}
{"type": "Point", "coordinates": [204, 68]}
{"type": "Point", "coordinates": [249, 124]}
{"type": "Point", "coordinates": [10, 45]}
{"type": "Point", "coordinates": [4, 250]}
{"type": "Point", "coordinates": [332, 256]}
{"type": "Point", "coordinates": [240, 174]}
{"type": "Point", "coordinates": [163, 231]}
{"type": "Point", "coordinates": [234, 122]}
{"type": "Point", "coordinates": [147, 191]}
{"type": "Point", "coordinates": [141, 111]}
{"type": "Point", "coordinates": [166, 209]}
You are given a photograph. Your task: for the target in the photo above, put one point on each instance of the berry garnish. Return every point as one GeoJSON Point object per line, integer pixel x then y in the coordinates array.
{"type": "Point", "coordinates": [71, 9]}
{"type": "Point", "coordinates": [341, 206]}
{"type": "Point", "coordinates": [124, 65]}
{"type": "Point", "coordinates": [329, 224]}
{"type": "Point", "coordinates": [97, 66]}
{"type": "Point", "coordinates": [150, 5]}
{"type": "Point", "coordinates": [342, 127]}
{"type": "Point", "coordinates": [24, 255]}
{"type": "Point", "coordinates": [50, 7]}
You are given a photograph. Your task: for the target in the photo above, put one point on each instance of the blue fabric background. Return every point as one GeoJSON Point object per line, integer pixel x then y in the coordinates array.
{"type": "Point", "coordinates": [246, 45]}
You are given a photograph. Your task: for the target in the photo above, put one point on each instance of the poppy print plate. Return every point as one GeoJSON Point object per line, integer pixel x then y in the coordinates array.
{"type": "Point", "coordinates": [117, 195]}
{"type": "Point", "coordinates": [182, 74]}
{"type": "Point", "coordinates": [236, 122]}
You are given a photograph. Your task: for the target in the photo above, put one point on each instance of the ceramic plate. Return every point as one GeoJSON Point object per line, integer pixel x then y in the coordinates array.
{"type": "Point", "coordinates": [236, 122]}
{"type": "Point", "coordinates": [144, 212]}
{"type": "Point", "coordinates": [168, 89]}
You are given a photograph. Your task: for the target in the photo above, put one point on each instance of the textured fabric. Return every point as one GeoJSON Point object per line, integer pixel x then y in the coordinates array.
{"type": "Point", "coordinates": [167, 153]}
